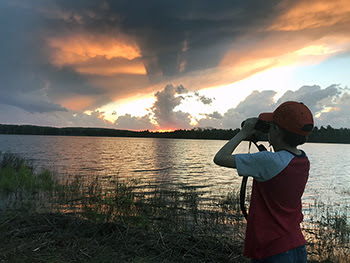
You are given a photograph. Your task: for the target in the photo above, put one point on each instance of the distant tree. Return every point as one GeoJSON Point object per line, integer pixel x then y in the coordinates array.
{"type": "Point", "coordinates": [322, 134]}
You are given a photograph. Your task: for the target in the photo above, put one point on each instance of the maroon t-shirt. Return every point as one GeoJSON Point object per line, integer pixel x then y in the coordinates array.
{"type": "Point", "coordinates": [273, 224]}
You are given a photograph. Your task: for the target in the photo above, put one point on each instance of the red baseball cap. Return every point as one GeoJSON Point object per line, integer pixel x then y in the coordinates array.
{"type": "Point", "coordinates": [292, 116]}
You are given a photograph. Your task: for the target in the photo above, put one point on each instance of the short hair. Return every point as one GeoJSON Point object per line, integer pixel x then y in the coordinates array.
{"type": "Point", "coordinates": [293, 139]}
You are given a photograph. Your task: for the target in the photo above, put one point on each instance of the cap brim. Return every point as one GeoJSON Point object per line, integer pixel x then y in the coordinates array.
{"type": "Point", "coordinates": [267, 116]}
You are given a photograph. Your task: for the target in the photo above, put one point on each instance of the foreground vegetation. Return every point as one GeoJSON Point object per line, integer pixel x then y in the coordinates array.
{"type": "Point", "coordinates": [90, 220]}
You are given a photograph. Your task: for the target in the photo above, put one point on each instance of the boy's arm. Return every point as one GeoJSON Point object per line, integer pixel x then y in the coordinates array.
{"type": "Point", "coordinates": [224, 156]}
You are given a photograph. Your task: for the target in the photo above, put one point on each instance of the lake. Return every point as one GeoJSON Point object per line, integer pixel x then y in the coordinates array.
{"type": "Point", "coordinates": [174, 161]}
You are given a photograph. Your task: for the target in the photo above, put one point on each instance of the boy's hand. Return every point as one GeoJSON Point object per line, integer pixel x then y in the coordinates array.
{"type": "Point", "coordinates": [248, 127]}
{"type": "Point", "coordinates": [224, 156]}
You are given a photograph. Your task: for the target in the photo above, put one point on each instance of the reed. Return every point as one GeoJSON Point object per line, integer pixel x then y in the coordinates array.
{"type": "Point", "coordinates": [91, 219]}
{"type": "Point", "coordinates": [328, 233]}
{"type": "Point", "coordinates": [20, 187]}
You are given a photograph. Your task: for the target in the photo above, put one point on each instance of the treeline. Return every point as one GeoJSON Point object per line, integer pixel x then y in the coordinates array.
{"type": "Point", "coordinates": [323, 134]}
{"type": "Point", "coordinates": [70, 131]}
{"type": "Point", "coordinates": [196, 133]}
{"type": "Point", "coordinates": [330, 135]}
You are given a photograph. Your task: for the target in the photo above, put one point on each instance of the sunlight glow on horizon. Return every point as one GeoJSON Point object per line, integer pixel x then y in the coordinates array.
{"type": "Point", "coordinates": [136, 106]}
{"type": "Point", "coordinates": [229, 96]}
{"type": "Point", "coordinates": [279, 79]}
{"type": "Point", "coordinates": [163, 130]}
{"type": "Point", "coordinates": [278, 76]}
{"type": "Point", "coordinates": [106, 64]}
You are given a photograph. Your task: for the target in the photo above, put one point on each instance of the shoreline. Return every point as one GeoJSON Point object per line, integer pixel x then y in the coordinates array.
{"type": "Point", "coordinates": [319, 135]}
{"type": "Point", "coordinates": [79, 221]}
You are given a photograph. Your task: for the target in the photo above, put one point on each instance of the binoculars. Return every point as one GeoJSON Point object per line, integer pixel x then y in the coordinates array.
{"type": "Point", "coordinates": [262, 126]}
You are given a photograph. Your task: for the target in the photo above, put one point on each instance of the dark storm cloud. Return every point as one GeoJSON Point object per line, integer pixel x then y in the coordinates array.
{"type": "Point", "coordinates": [198, 31]}
{"type": "Point", "coordinates": [166, 29]}
{"type": "Point", "coordinates": [27, 79]}
{"type": "Point", "coordinates": [31, 102]}
{"type": "Point", "coordinates": [172, 37]}
{"type": "Point", "coordinates": [56, 50]}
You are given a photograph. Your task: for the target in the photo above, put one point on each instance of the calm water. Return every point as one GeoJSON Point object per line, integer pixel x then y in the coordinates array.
{"type": "Point", "coordinates": [173, 160]}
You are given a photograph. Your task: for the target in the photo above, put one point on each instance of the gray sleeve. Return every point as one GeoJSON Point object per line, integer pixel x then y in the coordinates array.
{"type": "Point", "coordinates": [262, 165]}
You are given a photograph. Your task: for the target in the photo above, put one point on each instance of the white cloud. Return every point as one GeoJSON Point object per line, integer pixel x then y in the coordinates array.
{"type": "Point", "coordinates": [163, 109]}
{"type": "Point", "coordinates": [205, 100]}
{"type": "Point", "coordinates": [129, 122]}
{"type": "Point", "coordinates": [251, 106]}
{"type": "Point", "coordinates": [313, 96]}
{"type": "Point", "coordinates": [336, 113]}
{"type": "Point", "coordinates": [330, 106]}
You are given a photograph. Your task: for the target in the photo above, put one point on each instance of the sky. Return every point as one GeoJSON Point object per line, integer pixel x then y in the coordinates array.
{"type": "Point", "coordinates": [164, 65]}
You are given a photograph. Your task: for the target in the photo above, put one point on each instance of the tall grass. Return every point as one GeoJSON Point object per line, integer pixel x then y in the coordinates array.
{"type": "Point", "coordinates": [165, 210]}
{"type": "Point", "coordinates": [155, 206]}
{"type": "Point", "coordinates": [20, 187]}
{"type": "Point", "coordinates": [327, 230]}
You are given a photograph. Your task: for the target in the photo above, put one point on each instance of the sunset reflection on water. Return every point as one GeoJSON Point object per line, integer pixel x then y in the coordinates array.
{"type": "Point", "coordinates": [173, 161]}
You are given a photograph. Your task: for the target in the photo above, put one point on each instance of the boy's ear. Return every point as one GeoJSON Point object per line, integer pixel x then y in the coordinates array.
{"type": "Point", "coordinates": [278, 129]}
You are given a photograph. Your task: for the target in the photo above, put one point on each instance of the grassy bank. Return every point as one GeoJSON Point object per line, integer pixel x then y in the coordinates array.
{"type": "Point", "coordinates": [82, 220]}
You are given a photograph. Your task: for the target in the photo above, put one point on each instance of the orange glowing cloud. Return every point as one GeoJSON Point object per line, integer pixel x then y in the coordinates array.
{"type": "Point", "coordinates": [77, 103]}
{"type": "Point", "coordinates": [306, 34]}
{"type": "Point", "coordinates": [277, 50]}
{"type": "Point", "coordinates": [289, 47]}
{"type": "Point", "coordinates": [96, 54]}
{"type": "Point", "coordinates": [326, 110]}
{"type": "Point", "coordinates": [249, 55]}
{"type": "Point", "coordinates": [316, 50]}
{"type": "Point", "coordinates": [313, 14]}
{"type": "Point", "coordinates": [332, 109]}
{"type": "Point", "coordinates": [112, 67]}
{"type": "Point", "coordinates": [82, 47]}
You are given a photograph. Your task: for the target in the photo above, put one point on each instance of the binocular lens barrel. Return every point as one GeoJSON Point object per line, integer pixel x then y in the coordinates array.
{"type": "Point", "coordinates": [260, 125]}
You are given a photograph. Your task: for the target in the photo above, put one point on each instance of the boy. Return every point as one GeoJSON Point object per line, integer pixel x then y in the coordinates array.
{"type": "Point", "coordinates": [273, 231]}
